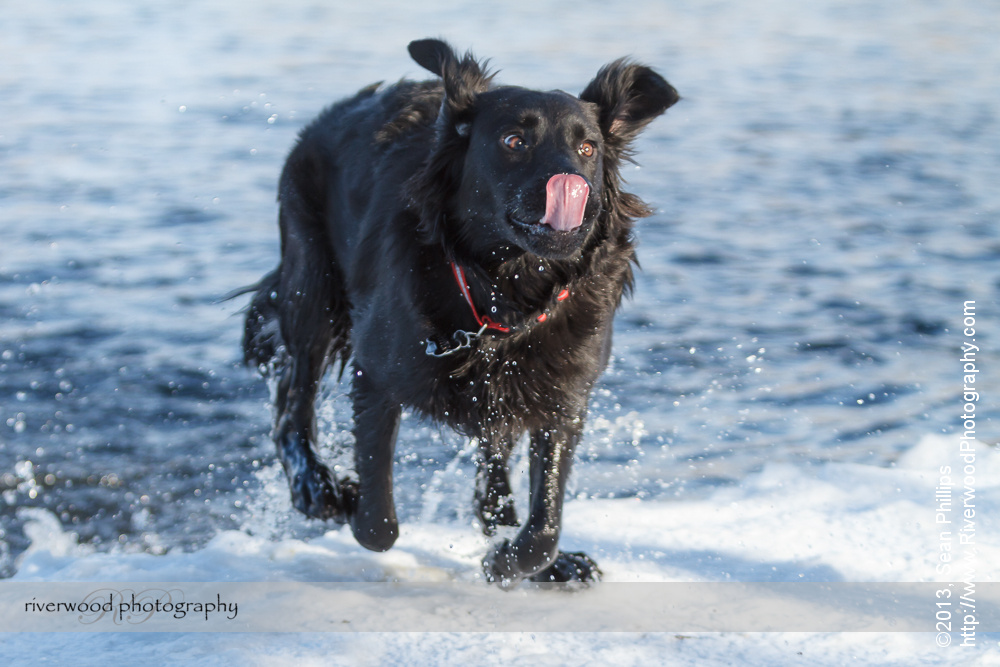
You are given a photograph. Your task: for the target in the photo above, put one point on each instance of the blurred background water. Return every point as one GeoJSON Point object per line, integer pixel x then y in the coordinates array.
{"type": "Point", "coordinates": [826, 201]}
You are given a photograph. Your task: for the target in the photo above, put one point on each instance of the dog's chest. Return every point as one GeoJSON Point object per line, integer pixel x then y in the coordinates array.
{"type": "Point", "coordinates": [524, 381]}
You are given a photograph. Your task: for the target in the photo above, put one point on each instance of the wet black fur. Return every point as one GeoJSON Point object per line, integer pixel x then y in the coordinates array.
{"type": "Point", "coordinates": [380, 194]}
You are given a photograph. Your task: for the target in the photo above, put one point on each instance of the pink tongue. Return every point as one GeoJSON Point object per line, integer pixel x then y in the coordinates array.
{"type": "Point", "coordinates": [565, 199]}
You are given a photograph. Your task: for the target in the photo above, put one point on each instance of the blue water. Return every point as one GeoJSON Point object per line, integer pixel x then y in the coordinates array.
{"type": "Point", "coordinates": [825, 198]}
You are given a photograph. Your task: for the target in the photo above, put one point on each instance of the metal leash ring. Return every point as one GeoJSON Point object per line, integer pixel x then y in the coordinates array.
{"type": "Point", "coordinates": [463, 340]}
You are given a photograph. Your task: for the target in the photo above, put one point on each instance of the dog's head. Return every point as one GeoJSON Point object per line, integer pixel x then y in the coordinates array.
{"type": "Point", "coordinates": [516, 170]}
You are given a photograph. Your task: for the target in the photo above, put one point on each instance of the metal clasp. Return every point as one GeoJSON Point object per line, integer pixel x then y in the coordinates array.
{"type": "Point", "coordinates": [462, 340]}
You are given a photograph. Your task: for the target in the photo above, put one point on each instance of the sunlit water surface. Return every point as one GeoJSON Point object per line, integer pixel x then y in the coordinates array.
{"type": "Point", "coordinates": [825, 198]}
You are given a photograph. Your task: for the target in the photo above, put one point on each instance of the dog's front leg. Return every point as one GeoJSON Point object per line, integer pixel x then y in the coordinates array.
{"type": "Point", "coordinates": [534, 551]}
{"type": "Point", "coordinates": [494, 502]}
{"type": "Point", "coordinates": [376, 423]}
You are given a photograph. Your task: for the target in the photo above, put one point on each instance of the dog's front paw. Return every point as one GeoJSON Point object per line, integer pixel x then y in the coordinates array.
{"type": "Point", "coordinates": [317, 494]}
{"type": "Point", "coordinates": [569, 566]}
{"type": "Point", "coordinates": [499, 566]}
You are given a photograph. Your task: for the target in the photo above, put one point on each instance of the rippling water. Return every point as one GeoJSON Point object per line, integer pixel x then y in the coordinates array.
{"type": "Point", "coordinates": [825, 197]}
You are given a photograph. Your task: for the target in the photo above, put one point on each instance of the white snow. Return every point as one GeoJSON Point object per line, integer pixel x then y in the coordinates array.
{"type": "Point", "coordinates": [827, 523]}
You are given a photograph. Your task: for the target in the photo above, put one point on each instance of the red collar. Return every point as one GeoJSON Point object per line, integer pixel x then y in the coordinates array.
{"type": "Point", "coordinates": [484, 321]}
{"type": "Point", "coordinates": [437, 346]}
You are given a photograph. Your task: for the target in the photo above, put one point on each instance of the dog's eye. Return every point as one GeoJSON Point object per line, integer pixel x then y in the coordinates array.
{"type": "Point", "coordinates": [514, 142]}
{"type": "Point", "coordinates": [586, 149]}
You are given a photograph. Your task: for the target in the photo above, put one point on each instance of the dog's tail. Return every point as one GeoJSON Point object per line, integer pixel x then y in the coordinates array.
{"type": "Point", "coordinates": [262, 332]}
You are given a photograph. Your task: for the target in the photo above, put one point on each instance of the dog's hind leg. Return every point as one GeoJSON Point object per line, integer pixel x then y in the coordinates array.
{"type": "Point", "coordinates": [376, 423]}
{"type": "Point", "coordinates": [534, 551]}
{"type": "Point", "coordinates": [314, 489]}
{"type": "Point", "coordinates": [494, 502]}
{"type": "Point", "coordinates": [314, 326]}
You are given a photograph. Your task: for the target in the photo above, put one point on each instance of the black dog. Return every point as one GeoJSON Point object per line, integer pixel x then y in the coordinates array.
{"type": "Point", "coordinates": [463, 248]}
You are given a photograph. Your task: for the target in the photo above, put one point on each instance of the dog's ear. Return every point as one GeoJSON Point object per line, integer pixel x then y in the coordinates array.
{"type": "Point", "coordinates": [464, 77]}
{"type": "Point", "coordinates": [629, 96]}
{"type": "Point", "coordinates": [432, 54]}
{"type": "Point", "coordinates": [434, 183]}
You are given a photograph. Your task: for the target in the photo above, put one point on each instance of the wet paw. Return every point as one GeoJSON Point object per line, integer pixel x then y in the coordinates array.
{"type": "Point", "coordinates": [569, 566]}
{"type": "Point", "coordinates": [499, 566]}
{"type": "Point", "coordinates": [317, 494]}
